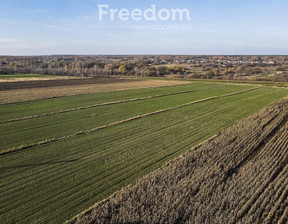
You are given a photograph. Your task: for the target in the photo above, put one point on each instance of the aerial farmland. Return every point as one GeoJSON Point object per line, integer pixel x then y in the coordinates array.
{"type": "Point", "coordinates": [73, 151]}
{"type": "Point", "coordinates": [149, 112]}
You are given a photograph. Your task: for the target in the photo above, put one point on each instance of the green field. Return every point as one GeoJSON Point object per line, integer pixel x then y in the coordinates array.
{"type": "Point", "coordinates": [53, 181]}
{"type": "Point", "coordinates": [17, 76]}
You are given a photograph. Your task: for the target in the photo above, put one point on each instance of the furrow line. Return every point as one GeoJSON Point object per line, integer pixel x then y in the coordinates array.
{"type": "Point", "coordinates": [257, 180]}
{"type": "Point", "coordinates": [276, 190]}
{"type": "Point", "coordinates": [102, 104]}
{"type": "Point", "coordinates": [83, 163]}
{"type": "Point", "coordinates": [246, 208]}
{"type": "Point", "coordinates": [277, 206]}
{"type": "Point", "coordinates": [247, 140]}
{"type": "Point", "coordinates": [284, 217]}
{"type": "Point", "coordinates": [256, 147]}
{"type": "Point", "coordinates": [14, 149]}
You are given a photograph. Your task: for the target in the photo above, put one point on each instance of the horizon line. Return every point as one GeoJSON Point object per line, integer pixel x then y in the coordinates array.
{"type": "Point", "coordinates": [51, 55]}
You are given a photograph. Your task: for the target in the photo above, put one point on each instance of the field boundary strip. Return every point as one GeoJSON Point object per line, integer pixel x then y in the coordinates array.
{"type": "Point", "coordinates": [14, 149]}
{"type": "Point", "coordinates": [103, 104]}
{"type": "Point", "coordinates": [88, 90]}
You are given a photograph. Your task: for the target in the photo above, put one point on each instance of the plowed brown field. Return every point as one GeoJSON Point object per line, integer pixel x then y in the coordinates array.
{"type": "Point", "coordinates": [35, 90]}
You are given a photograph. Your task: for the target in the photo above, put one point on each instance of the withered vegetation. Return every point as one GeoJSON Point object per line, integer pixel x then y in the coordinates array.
{"type": "Point", "coordinates": [58, 83]}
{"type": "Point", "coordinates": [23, 91]}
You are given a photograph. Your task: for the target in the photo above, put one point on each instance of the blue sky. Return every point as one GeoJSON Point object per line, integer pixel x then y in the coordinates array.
{"type": "Point", "coordinates": [44, 27]}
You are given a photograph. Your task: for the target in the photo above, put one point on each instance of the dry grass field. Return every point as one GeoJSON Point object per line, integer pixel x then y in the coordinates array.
{"type": "Point", "coordinates": [32, 77]}
{"type": "Point", "coordinates": [26, 91]}
{"type": "Point", "coordinates": [240, 176]}
{"type": "Point", "coordinates": [54, 82]}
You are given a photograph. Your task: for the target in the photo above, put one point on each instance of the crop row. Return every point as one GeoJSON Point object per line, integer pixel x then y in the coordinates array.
{"type": "Point", "coordinates": [46, 106]}
{"type": "Point", "coordinates": [238, 177]}
{"type": "Point", "coordinates": [102, 104]}
{"type": "Point", "coordinates": [25, 132]}
{"type": "Point", "coordinates": [53, 182]}
{"type": "Point", "coordinates": [47, 141]}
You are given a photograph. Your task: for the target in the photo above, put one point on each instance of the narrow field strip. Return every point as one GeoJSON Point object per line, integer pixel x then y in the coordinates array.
{"type": "Point", "coordinates": [43, 106]}
{"type": "Point", "coordinates": [26, 132]}
{"type": "Point", "coordinates": [26, 95]}
{"type": "Point", "coordinates": [108, 154]}
{"type": "Point", "coordinates": [104, 104]}
{"type": "Point", "coordinates": [119, 122]}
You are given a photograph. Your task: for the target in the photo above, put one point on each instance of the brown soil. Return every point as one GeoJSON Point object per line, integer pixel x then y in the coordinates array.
{"type": "Point", "coordinates": [58, 82]}
{"type": "Point", "coordinates": [27, 94]}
